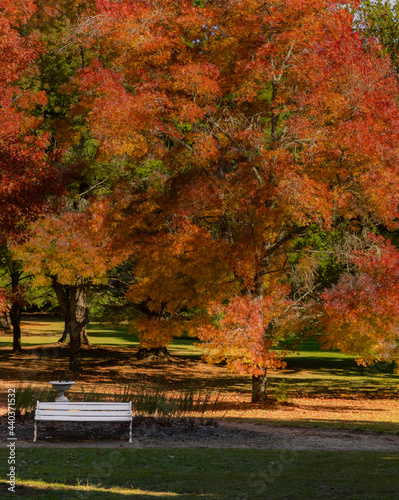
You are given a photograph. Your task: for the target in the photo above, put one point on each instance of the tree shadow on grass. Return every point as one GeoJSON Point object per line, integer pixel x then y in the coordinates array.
{"type": "Point", "coordinates": [335, 365]}
{"type": "Point", "coordinates": [305, 376]}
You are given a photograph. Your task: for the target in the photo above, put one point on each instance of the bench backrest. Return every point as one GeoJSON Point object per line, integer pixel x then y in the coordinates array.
{"type": "Point", "coordinates": [82, 406]}
{"type": "Point", "coordinates": [83, 411]}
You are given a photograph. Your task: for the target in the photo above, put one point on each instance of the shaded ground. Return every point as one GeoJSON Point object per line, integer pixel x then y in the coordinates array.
{"type": "Point", "coordinates": [189, 433]}
{"type": "Point", "coordinates": [343, 412]}
{"type": "Point", "coordinates": [147, 431]}
{"type": "Point", "coordinates": [114, 365]}
{"type": "Point", "coordinates": [108, 369]}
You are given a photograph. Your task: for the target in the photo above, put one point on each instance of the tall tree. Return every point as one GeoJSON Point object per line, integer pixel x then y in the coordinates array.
{"type": "Point", "coordinates": [244, 125]}
{"type": "Point", "coordinates": [69, 252]}
{"type": "Point", "coordinates": [58, 62]}
{"type": "Point", "coordinates": [28, 173]}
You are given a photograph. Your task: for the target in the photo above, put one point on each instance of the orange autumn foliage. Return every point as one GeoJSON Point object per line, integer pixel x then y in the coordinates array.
{"type": "Point", "coordinates": [28, 176]}
{"type": "Point", "coordinates": [26, 173]}
{"type": "Point", "coordinates": [70, 247]}
{"type": "Point", "coordinates": [360, 314]}
{"type": "Point", "coordinates": [246, 331]}
{"type": "Point", "coordinates": [242, 125]}
{"type": "Point", "coordinates": [174, 274]}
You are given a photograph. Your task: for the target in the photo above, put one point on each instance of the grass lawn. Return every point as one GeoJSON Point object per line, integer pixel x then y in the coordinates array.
{"type": "Point", "coordinates": [202, 473]}
{"type": "Point", "coordinates": [47, 330]}
{"type": "Point", "coordinates": [313, 372]}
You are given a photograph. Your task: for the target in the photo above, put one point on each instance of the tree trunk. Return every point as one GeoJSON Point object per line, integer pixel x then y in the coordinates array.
{"type": "Point", "coordinates": [82, 314]}
{"type": "Point", "coordinates": [153, 354]}
{"type": "Point", "coordinates": [259, 382]}
{"type": "Point", "coordinates": [16, 308]}
{"type": "Point", "coordinates": [75, 362]}
{"type": "Point", "coordinates": [84, 339]}
{"type": "Point", "coordinates": [5, 322]}
{"type": "Point", "coordinates": [72, 300]}
{"type": "Point", "coordinates": [15, 315]}
{"type": "Point", "coordinates": [77, 308]}
{"type": "Point", "coordinates": [66, 332]}
{"type": "Point", "coordinates": [259, 388]}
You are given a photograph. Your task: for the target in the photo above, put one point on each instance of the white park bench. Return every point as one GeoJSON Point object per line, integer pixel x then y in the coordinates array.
{"type": "Point", "coordinates": [83, 412]}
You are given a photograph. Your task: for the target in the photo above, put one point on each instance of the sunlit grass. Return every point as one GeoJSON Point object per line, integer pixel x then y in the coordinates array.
{"type": "Point", "coordinates": [311, 372]}
{"type": "Point", "coordinates": [49, 330]}
{"type": "Point", "coordinates": [41, 489]}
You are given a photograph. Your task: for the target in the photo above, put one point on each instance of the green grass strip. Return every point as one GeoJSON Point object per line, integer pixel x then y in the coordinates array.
{"type": "Point", "coordinates": [201, 473]}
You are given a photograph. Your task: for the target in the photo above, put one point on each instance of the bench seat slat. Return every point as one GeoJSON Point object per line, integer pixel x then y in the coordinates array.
{"type": "Point", "coordinates": [89, 414]}
{"type": "Point", "coordinates": [83, 406]}
{"type": "Point", "coordinates": [82, 418]}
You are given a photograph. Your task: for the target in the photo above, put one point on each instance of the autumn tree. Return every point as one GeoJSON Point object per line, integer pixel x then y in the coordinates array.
{"type": "Point", "coordinates": [364, 299]}
{"type": "Point", "coordinates": [25, 170]}
{"type": "Point", "coordinates": [361, 312]}
{"type": "Point", "coordinates": [379, 19]}
{"type": "Point", "coordinates": [69, 253]}
{"type": "Point", "coordinates": [244, 125]}
{"type": "Point", "coordinates": [60, 58]}
{"type": "Point", "coordinates": [28, 164]}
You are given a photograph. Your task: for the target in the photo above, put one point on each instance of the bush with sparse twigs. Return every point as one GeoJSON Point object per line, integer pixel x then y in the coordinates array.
{"type": "Point", "coordinates": [150, 401]}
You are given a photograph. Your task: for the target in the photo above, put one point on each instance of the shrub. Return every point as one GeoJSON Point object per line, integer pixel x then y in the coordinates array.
{"type": "Point", "coordinates": [26, 398]}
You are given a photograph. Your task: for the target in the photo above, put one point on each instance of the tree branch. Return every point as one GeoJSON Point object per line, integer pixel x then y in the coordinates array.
{"type": "Point", "coordinates": [180, 141]}
{"type": "Point", "coordinates": [229, 137]}
{"type": "Point", "coordinates": [93, 187]}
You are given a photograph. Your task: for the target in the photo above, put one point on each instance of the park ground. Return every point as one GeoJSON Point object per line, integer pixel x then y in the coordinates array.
{"type": "Point", "coordinates": [325, 414]}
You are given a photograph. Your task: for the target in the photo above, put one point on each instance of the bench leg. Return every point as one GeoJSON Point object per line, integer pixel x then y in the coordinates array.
{"type": "Point", "coordinates": [130, 432]}
{"type": "Point", "coordinates": [35, 432]}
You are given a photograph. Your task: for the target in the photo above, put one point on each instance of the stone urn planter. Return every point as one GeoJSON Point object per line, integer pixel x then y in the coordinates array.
{"type": "Point", "coordinates": [61, 386]}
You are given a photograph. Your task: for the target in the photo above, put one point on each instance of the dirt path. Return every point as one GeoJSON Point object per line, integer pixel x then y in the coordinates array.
{"type": "Point", "coordinates": [240, 435]}
{"type": "Point", "coordinates": [297, 438]}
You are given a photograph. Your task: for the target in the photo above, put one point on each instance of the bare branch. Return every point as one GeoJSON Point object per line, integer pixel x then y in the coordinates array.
{"type": "Point", "coordinates": [258, 177]}
{"type": "Point", "coordinates": [93, 187]}
{"type": "Point", "coordinates": [229, 137]}
{"type": "Point", "coordinates": [299, 300]}
{"type": "Point", "coordinates": [277, 79]}
{"type": "Point", "coordinates": [177, 139]}
{"type": "Point", "coordinates": [90, 27]}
